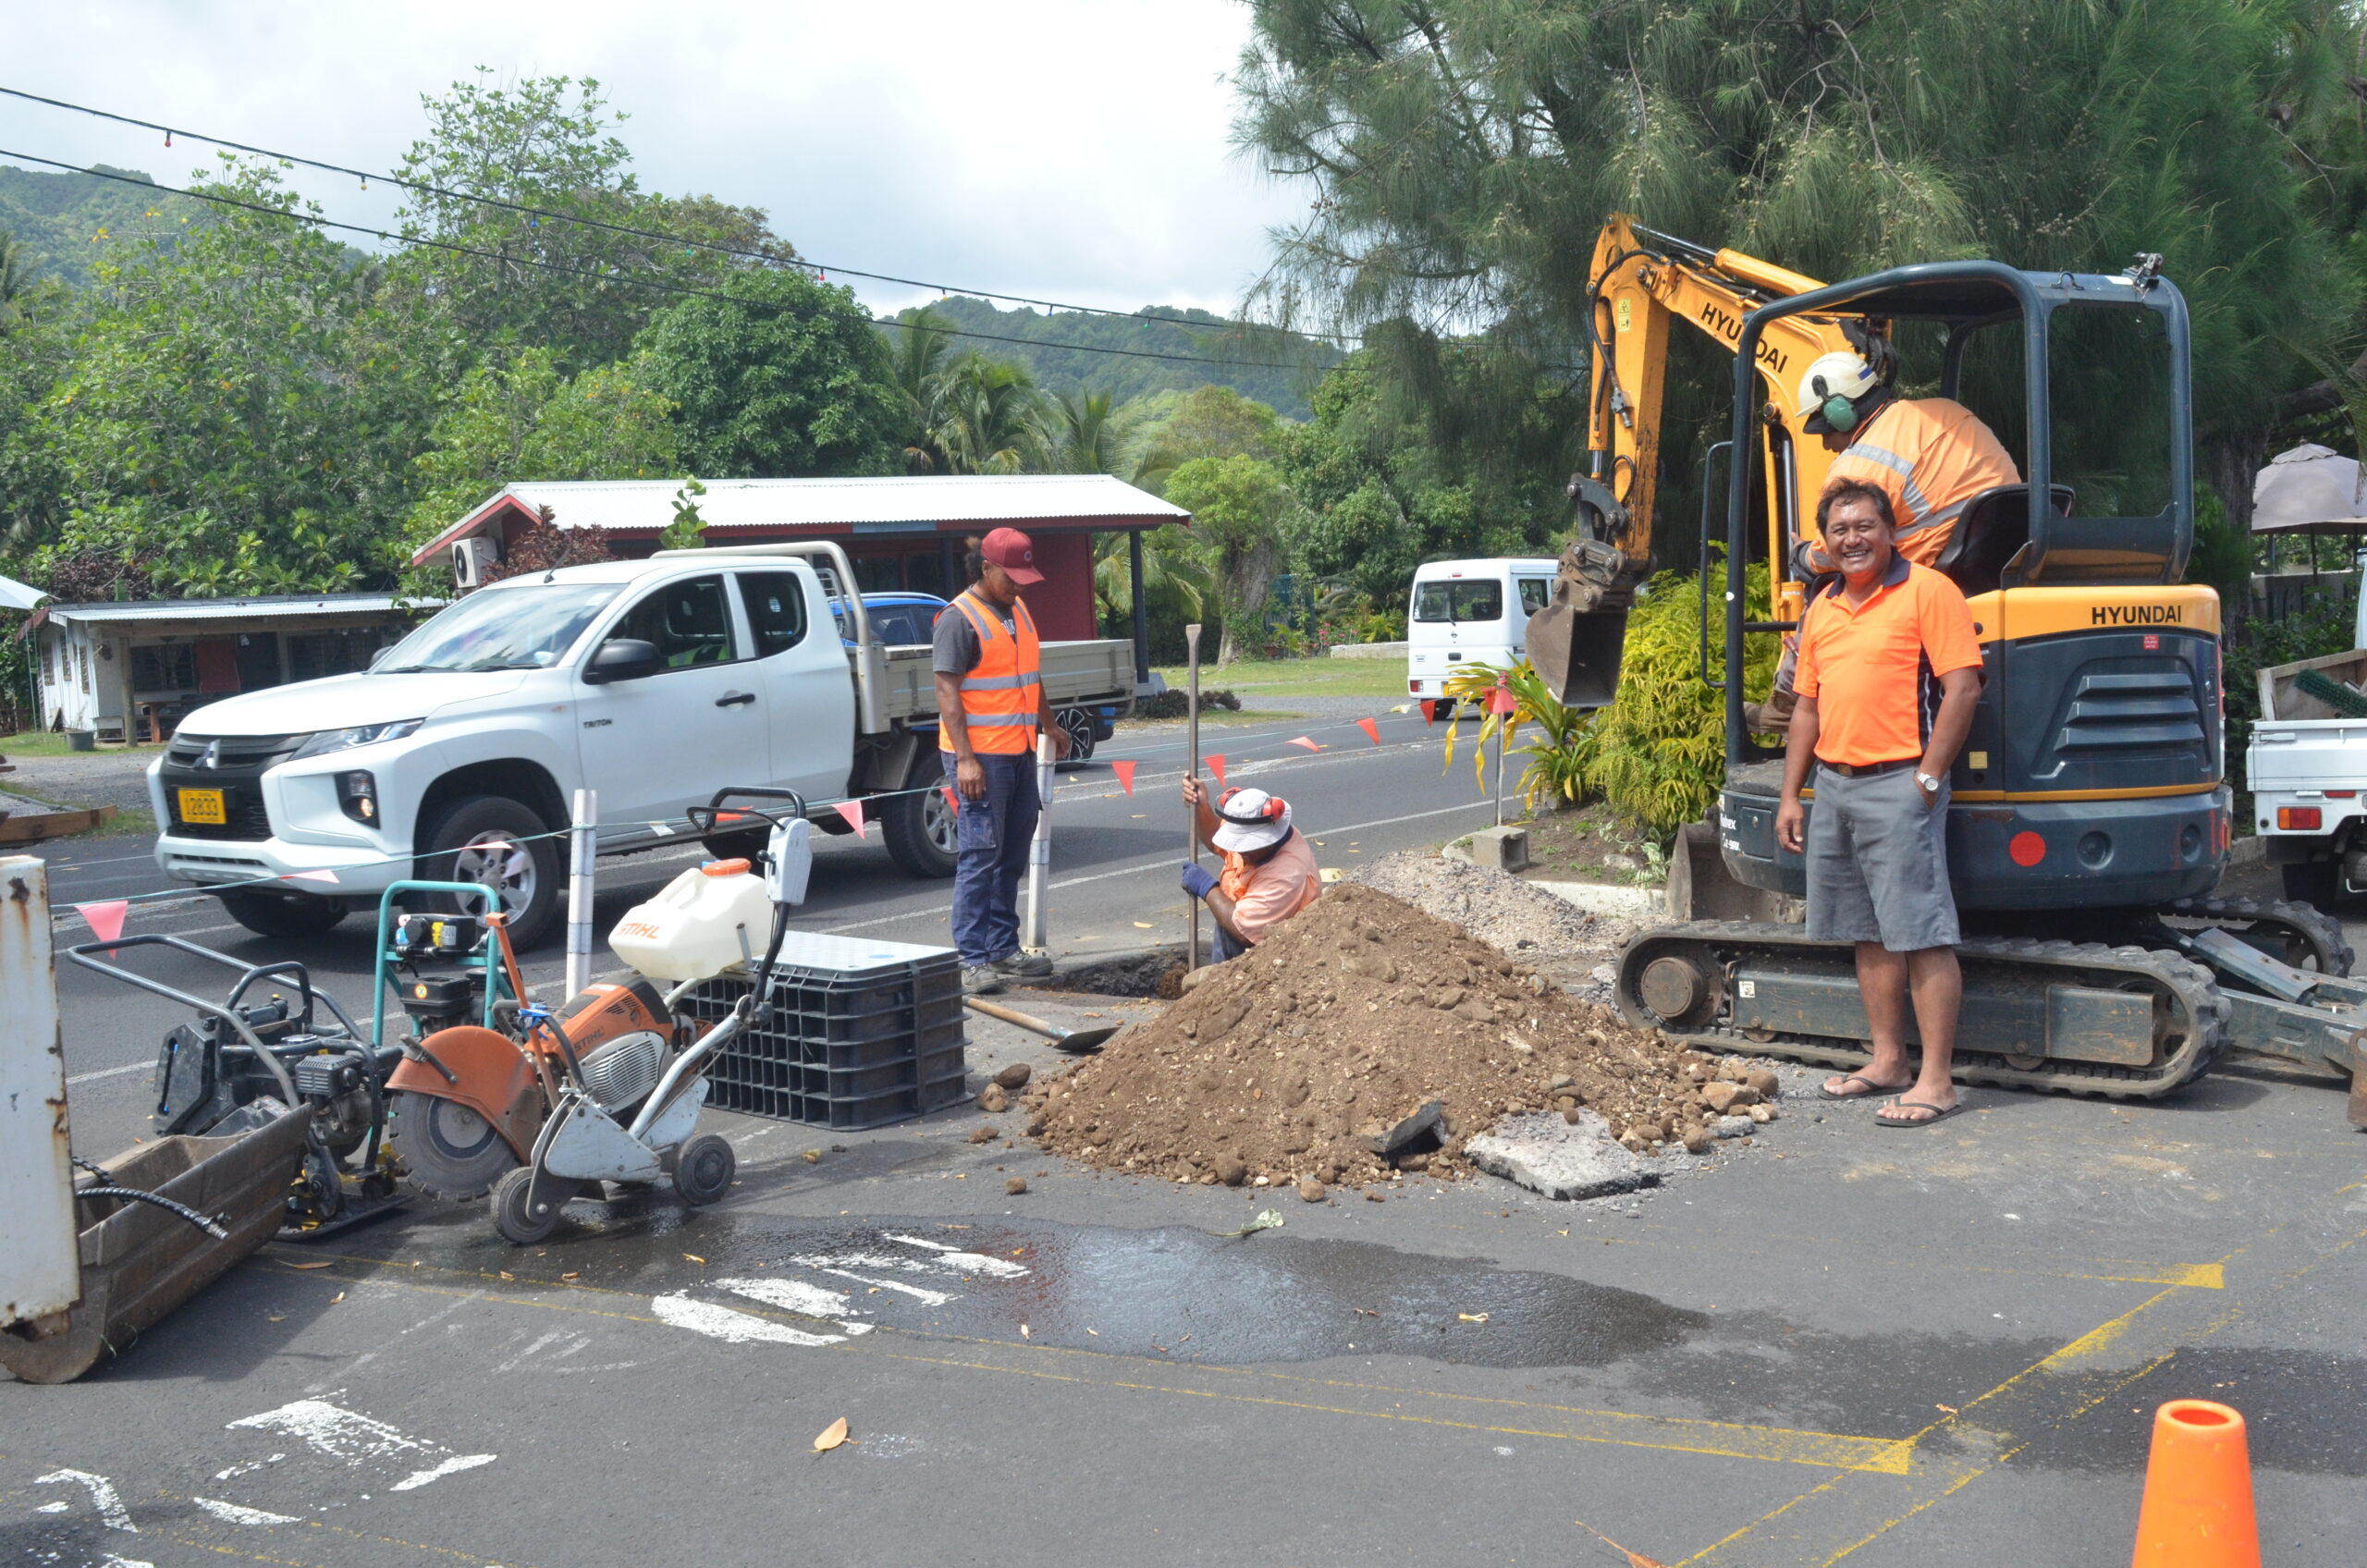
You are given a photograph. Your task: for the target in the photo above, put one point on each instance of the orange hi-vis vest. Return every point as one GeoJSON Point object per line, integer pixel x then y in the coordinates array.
{"type": "Point", "coordinates": [1001, 697]}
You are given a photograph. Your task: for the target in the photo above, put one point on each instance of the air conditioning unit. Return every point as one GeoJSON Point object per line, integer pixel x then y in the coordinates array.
{"type": "Point", "coordinates": [470, 560]}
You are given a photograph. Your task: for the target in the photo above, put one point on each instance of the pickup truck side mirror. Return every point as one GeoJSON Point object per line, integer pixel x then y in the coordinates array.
{"type": "Point", "coordinates": [621, 658]}
{"type": "Point", "coordinates": [380, 656]}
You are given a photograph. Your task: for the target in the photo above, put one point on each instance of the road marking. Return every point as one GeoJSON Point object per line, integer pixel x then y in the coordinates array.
{"type": "Point", "coordinates": [436, 1472]}
{"type": "Point", "coordinates": [106, 1073]}
{"type": "Point", "coordinates": [232, 1514]}
{"type": "Point", "coordinates": [732, 1326]}
{"type": "Point", "coordinates": [104, 1497]}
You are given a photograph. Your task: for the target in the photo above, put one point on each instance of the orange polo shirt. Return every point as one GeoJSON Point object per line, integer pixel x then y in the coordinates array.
{"type": "Point", "coordinates": [1874, 668]}
{"type": "Point", "coordinates": [1930, 456]}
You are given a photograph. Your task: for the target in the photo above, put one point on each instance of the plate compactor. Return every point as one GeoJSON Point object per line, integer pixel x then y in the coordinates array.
{"type": "Point", "coordinates": [2090, 819]}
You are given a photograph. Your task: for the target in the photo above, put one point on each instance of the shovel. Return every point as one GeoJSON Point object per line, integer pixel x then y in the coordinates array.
{"type": "Point", "coordinates": [1076, 1042]}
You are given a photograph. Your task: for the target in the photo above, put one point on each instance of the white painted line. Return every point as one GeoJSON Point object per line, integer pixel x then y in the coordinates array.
{"type": "Point", "coordinates": [107, 1072]}
{"type": "Point", "coordinates": [104, 1497]}
{"type": "Point", "coordinates": [732, 1327]}
{"type": "Point", "coordinates": [451, 1467]}
{"type": "Point", "coordinates": [795, 1295]}
{"type": "Point", "coordinates": [918, 1293]}
{"type": "Point", "coordinates": [331, 1430]}
{"type": "Point", "coordinates": [975, 1262]}
{"type": "Point", "coordinates": [231, 1514]}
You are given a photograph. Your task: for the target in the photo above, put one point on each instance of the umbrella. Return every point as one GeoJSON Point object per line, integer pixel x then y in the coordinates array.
{"type": "Point", "coordinates": [16, 595]}
{"type": "Point", "coordinates": [2309, 490]}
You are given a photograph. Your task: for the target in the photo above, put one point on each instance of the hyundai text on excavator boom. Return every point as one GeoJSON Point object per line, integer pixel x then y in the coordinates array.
{"type": "Point", "coordinates": [2091, 817]}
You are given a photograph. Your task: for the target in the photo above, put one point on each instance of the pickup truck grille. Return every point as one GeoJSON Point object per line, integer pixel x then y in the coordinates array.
{"type": "Point", "coordinates": [239, 762]}
{"type": "Point", "coordinates": [2144, 711]}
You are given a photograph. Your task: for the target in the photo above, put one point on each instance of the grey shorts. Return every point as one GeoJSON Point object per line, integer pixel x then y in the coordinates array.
{"type": "Point", "coordinates": [1878, 864]}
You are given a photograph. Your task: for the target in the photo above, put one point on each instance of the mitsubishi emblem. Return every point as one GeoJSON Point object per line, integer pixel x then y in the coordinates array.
{"type": "Point", "coordinates": [213, 757]}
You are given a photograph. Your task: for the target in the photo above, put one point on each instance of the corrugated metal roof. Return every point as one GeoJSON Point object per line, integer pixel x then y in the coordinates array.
{"type": "Point", "coordinates": [914, 503]}
{"type": "Point", "coordinates": [273, 607]}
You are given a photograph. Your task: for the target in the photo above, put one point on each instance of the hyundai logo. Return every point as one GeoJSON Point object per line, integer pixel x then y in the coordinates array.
{"type": "Point", "coordinates": [213, 757]}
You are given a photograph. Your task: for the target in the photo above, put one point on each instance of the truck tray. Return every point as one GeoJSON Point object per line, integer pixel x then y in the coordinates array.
{"type": "Point", "coordinates": [139, 1262]}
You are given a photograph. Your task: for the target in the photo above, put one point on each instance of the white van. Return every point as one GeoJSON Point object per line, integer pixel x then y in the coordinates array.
{"type": "Point", "coordinates": [1470, 612]}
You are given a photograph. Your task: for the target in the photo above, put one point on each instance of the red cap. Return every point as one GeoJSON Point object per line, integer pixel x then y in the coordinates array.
{"type": "Point", "coordinates": [1014, 552]}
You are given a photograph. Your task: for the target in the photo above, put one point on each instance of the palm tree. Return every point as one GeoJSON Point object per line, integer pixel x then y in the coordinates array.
{"type": "Point", "coordinates": [983, 415]}
{"type": "Point", "coordinates": [16, 278]}
{"type": "Point", "coordinates": [916, 364]}
{"type": "Point", "coordinates": [1086, 432]}
{"type": "Point", "coordinates": [1173, 578]}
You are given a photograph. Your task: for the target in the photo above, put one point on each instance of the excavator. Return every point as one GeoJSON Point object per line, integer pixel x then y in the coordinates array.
{"type": "Point", "coordinates": [2091, 818]}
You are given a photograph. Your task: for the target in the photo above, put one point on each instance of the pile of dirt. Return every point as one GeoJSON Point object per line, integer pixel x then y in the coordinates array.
{"type": "Point", "coordinates": [1499, 909]}
{"type": "Point", "coordinates": [1291, 1061]}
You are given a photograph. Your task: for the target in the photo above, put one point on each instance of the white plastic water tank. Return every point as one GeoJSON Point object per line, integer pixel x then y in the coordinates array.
{"type": "Point", "coordinates": [695, 925]}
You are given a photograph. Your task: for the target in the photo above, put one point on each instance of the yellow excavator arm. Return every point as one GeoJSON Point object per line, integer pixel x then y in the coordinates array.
{"type": "Point", "coordinates": [1641, 281]}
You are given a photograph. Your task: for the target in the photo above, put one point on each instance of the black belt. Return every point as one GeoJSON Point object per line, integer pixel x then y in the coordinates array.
{"type": "Point", "coordinates": [1868, 770]}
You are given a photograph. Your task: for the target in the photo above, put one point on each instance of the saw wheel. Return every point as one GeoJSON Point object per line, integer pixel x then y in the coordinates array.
{"type": "Point", "coordinates": [448, 1150]}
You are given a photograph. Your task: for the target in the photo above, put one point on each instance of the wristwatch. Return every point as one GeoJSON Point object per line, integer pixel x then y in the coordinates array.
{"type": "Point", "coordinates": [1925, 783]}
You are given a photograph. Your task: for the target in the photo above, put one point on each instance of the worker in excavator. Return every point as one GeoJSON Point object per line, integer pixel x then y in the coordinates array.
{"type": "Point", "coordinates": [1929, 455]}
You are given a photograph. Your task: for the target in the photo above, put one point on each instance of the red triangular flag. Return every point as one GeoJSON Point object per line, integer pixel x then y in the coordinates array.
{"type": "Point", "coordinates": [1125, 772]}
{"type": "Point", "coordinates": [1303, 740]}
{"type": "Point", "coordinates": [106, 920]}
{"type": "Point", "coordinates": [1500, 700]}
{"type": "Point", "coordinates": [1216, 765]}
{"type": "Point", "coordinates": [1430, 711]}
{"type": "Point", "coordinates": [951, 804]}
{"type": "Point", "coordinates": [1371, 729]}
{"type": "Point", "coordinates": [325, 875]}
{"type": "Point", "coordinates": [853, 811]}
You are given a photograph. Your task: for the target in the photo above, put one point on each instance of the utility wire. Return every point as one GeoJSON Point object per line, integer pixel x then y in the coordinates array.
{"type": "Point", "coordinates": [617, 275]}
{"type": "Point", "coordinates": [524, 210]}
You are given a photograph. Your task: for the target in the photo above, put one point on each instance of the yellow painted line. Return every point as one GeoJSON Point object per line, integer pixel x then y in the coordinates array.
{"type": "Point", "coordinates": [1725, 1440]}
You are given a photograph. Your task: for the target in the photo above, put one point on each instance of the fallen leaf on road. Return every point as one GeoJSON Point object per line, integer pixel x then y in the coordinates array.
{"type": "Point", "coordinates": [279, 1317]}
{"type": "Point", "coordinates": [1364, 1312]}
{"type": "Point", "coordinates": [1473, 1316]}
{"type": "Point", "coordinates": [1635, 1559]}
{"type": "Point", "coordinates": [323, 1264]}
{"type": "Point", "coordinates": [1143, 925]}
{"type": "Point", "coordinates": [695, 1259]}
{"type": "Point", "coordinates": [812, 1157]}
{"type": "Point", "coordinates": [571, 1276]}
{"type": "Point", "coordinates": [1949, 1408]}
{"type": "Point", "coordinates": [507, 1275]}
{"type": "Point", "coordinates": [337, 1298]}
{"type": "Point", "coordinates": [832, 1435]}
{"type": "Point", "coordinates": [1095, 1332]}
{"type": "Point", "coordinates": [1023, 1333]}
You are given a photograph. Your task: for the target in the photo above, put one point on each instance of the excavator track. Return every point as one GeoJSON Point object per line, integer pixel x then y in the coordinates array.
{"type": "Point", "coordinates": [2190, 1013]}
{"type": "Point", "coordinates": [2296, 933]}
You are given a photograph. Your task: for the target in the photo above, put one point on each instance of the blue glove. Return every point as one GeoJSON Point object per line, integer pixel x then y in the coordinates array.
{"type": "Point", "coordinates": [1197, 880]}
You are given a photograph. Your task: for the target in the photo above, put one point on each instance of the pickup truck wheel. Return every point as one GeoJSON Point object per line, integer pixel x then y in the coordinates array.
{"type": "Point", "coordinates": [494, 839]}
{"type": "Point", "coordinates": [922, 831]}
{"type": "Point", "coordinates": [1078, 722]}
{"type": "Point", "coordinates": [281, 914]}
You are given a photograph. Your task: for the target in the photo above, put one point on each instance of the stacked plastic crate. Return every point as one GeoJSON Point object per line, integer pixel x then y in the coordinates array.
{"type": "Point", "coordinates": [861, 1033]}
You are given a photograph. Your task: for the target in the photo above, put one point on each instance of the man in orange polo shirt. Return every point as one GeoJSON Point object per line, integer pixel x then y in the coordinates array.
{"type": "Point", "coordinates": [1890, 669]}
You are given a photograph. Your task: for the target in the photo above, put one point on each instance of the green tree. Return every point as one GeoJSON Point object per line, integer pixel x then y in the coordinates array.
{"type": "Point", "coordinates": [786, 377]}
{"type": "Point", "coordinates": [918, 350]}
{"type": "Point", "coordinates": [209, 417]}
{"type": "Point", "coordinates": [1086, 432]}
{"type": "Point", "coordinates": [982, 416]}
{"type": "Point", "coordinates": [1238, 505]}
{"type": "Point", "coordinates": [523, 421]}
{"type": "Point", "coordinates": [1464, 151]}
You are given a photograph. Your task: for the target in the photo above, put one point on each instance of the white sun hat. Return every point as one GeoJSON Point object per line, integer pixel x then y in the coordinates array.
{"type": "Point", "coordinates": [1250, 819]}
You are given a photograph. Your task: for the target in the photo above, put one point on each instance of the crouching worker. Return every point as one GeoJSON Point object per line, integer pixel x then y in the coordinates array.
{"type": "Point", "coordinates": [1270, 872]}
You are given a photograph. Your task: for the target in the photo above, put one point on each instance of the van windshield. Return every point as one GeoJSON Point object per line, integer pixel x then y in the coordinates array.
{"type": "Point", "coordinates": [502, 629]}
{"type": "Point", "coordinates": [1458, 601]}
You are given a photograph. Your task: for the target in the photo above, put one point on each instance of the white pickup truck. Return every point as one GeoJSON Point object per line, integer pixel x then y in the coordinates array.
{"type": "Point", "coordinates": [2307, 767]}
{"type": "Point", "coordinates": [655, 683]}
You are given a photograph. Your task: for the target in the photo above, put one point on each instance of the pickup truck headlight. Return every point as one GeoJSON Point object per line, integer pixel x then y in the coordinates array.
{"type": "Point", "coordinates": [362, 735]}
{"type": "Point", "coordinates": [357, 795]}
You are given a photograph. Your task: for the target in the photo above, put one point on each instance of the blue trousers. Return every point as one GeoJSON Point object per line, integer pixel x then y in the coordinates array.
{"type": "Point", "coordinates": [995, 835]}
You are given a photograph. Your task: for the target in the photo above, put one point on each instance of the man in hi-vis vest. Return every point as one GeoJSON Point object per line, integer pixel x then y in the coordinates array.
{"type": "Point", "coordinates": [989, 707]}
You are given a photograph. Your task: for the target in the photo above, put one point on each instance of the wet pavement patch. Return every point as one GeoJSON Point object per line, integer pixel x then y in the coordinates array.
{"type": "Point", "coordinates": [1176, 1291]}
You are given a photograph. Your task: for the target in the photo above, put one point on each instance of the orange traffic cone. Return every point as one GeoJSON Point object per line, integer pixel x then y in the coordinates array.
{"type": "Point", "coordinates": [2198, 1509]}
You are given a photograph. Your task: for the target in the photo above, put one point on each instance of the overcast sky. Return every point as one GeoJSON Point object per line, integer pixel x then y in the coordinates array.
{"type": "Point", "coordinates": [1074, 149]}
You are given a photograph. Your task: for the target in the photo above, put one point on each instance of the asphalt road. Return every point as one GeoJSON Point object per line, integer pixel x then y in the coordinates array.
{"type": "Point", "coordinates": [1899, 1349]}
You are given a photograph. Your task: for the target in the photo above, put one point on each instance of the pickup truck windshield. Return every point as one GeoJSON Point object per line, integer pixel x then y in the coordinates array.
{"type": "Point", "coordinates": [1459, 601]}
{"type": "Point", "coordinates": [530, 628]}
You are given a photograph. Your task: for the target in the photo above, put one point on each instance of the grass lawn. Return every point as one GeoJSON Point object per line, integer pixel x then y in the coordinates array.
{"type": "Point", "coordinates": [47, 743]}
{"type": "Point", "coordinates": [1270, 684]}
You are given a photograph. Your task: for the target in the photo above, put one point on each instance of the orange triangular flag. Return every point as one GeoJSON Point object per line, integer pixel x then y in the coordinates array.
{"type": "Point", "coordinates": [951, 804]}
{"type": "Point", "coordinates": [853, 811]}
{"type": "Point", "coordinates": [1371, 729]}
{"type": "Point", "coordinates": [1500, 700]}
{"type": "Point", "coordinates": [1216, 765]}
{"type": "Point", "coordinates": [1125, 772]}
{"type": "Point", "coordinates": [1303, 740]}
{"type": "Point", "coordinates": [106, 920]}
{"type": "Point", "coordinates": [1429, 711]}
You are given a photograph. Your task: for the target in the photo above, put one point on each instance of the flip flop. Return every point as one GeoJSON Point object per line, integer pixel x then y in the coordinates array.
{"type": "Point", "coordinates": [1877, 1090]}
{"type": "Point", "coordinates": [1919, 1105]}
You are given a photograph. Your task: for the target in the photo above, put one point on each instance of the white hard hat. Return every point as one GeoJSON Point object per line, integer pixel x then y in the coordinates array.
{"type": "Point", "coordinates": [1840, 375]}
{"type": "Point", "coordinates": [1249, 819]}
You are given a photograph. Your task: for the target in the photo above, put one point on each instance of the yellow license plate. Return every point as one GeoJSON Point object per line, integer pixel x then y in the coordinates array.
{"type": "Point", "coordinates": [203, 806]}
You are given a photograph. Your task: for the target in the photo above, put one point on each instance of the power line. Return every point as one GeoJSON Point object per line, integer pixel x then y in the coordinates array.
{"type": "Point", "coordinates": [617, 275]}
{"type": "Point", "coordinates": [524, 210]}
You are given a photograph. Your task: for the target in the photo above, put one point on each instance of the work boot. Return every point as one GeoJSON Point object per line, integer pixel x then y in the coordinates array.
{"type": "Point", "coordinates": [980, 980]}
{"type": "Point", "coordinates": [1021, 964]}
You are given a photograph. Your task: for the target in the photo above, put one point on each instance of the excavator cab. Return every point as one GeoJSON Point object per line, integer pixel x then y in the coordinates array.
{"type": "Point", "coordinates": [2095, 776]}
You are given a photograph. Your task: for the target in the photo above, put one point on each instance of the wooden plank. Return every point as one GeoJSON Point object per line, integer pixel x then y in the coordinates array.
{"type": "Point", "coordinates": [52, 824]}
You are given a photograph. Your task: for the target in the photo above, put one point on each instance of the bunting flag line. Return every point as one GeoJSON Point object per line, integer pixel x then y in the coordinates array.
{"type": "Point", "coordinates": [1372, 728]}
{"type": "Point", "coordinates": [1216, 765]}
{"type": "Point", "coordinates": [1311, 745]}
{"type": "Point", "coordinates": [1125, 772]}
{"type": "Point", "coordinates": [853, 811]}
{"type": "Point", "coordinates": [105, 919]}
{"type": "Point", "coordinates": [325, 875]}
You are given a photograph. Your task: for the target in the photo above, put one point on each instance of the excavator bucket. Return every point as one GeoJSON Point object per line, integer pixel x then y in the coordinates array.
{"type": "Point", "coordinates": [1577, 651]}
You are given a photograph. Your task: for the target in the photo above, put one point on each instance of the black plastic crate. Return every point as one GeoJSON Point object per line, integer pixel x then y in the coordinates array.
{"type": "Point", "coordinates": [861, 1035]}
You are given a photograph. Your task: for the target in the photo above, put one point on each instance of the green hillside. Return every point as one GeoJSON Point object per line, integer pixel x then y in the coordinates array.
{"type": "Point", "coordinates": [64, 219]}
{"type": "Point", "coordinates": [1187, 332]}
